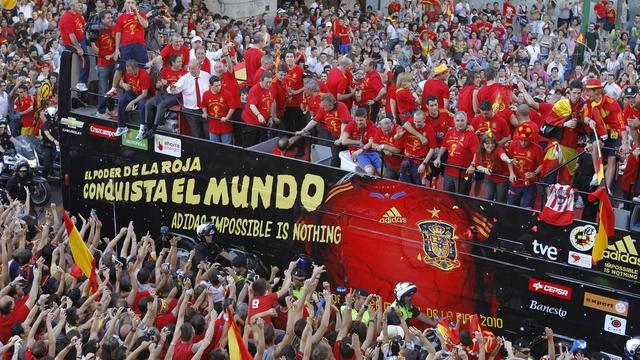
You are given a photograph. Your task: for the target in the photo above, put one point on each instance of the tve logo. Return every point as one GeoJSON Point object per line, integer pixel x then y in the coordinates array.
{"type": "Point", "coordinates": [551, 289]}
{"type": "Point", "coordinates": [550, 252]}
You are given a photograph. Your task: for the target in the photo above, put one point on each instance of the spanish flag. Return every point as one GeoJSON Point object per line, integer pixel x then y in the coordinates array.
{"type": "Point", "coordinates": [81, 254]}
{"type": "Point", "coordinates": [237, 348]}
{"type": "Point", "coordinates": [606, 217]}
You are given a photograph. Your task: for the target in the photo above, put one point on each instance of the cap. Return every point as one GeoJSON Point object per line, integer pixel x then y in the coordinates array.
{"type": "Point", "coordinates": [441, 69]}
{"type": "Point", "coordinates": [196, 38]}
{"type": "Point", "coordinates": [239, 261]}
{"type": "Point", "coordinates": [22, 167]}
{"type": "Point", "coordinates": [280, 11]}
{"type": "Point", "coordinates": [361, 292]}
{"type": "Point", "coordinates": [523, 132]}
{"type": "Point", "coordinates": [631, 91]}
{"type": "Point", "coordinates": [299, 273]}
{"type": "Point", "coordinates": [594, 84]}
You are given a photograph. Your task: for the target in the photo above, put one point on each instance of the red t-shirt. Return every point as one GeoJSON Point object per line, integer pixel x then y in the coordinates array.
{"type": "Point", "coordinates": [465, 100]}
{"type": "Point", "coordinates": [169, 50]}
{"type": "Point", "coordinates": [22, 104]}
{"type": "Point", "coordinates": [413, 147]}
{"type": "Point", "coordinates": [440, 125]}
{"type": "Point", "coordinates": [497, 124]}
{"type": "Point", "coordinates": [529, 158]}
{"type": "Point", "coordinates": [258, 304]}
{"type": "Point", "coordinates": [405, 104]}
{"type": "Point", "coordinates": [312, 103]}
{"type": "Point", "coordinates": [607, 115]}
{"type": "Point", "coordinates": [630, 176]}
{"type": "Point", "coordinates": [498, 95]}
{"type": "Point", "coordinates": [229, 83]}
{"type": "Point", "coordinates": [381, 138]}
{"type": "Point", "coordinates": [363, 134]}
{"type": "Point", "coordinates": [71, 23]}
{"type": "Point", "coordinates": [509, 12]}
{"type": "Point", "coordinates": [371, 86]}
{"type": "Point", "coordinates": [18, 315]}
{"type": "Point", "coordinates": [106, 44]}
{"type": "Point", "coordinates": [495, 164]}
{"type": "Point", "coordinates": [332, 120]}
{"type": "Point", "coordinates": [262, 99]}
{"type": "Point", "coordinates": [611, 16]}
{"type": "Point", "coordinates": [629, 113]}
{"type": "Point", "coordinates": [252, 59]}
{"type": "Point", "coordinates": [171, 75]}
{"type": "Point", "coordinates": [337, 82]}
{"type": "Point", "coordinates": [461, 147]}
{"type": "Point", "coordinates": [217, 107]}
{"type": "Point", "coordinates": [294, 82]}
{"type": "Point", "coordinates": [139, 82]}
{"type": "Point", "coordinates": [183, 351]}
{"type": "Point", "coordinates": [279, 93]}
{"type": "Point", "coordinates": [164, 320]}
{"type": "Point", "coordinates": [437, 88]}
{"type": "Point", "coordinates": [391, 95]}
{"type": "Point", "coordinates": [600, 9]}
{"type": "Point", "coordinates": [130, 28]}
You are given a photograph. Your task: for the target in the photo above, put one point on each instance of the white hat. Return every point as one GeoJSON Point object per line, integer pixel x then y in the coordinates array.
{"type": "Point", "coordinates": [328, 24]}
{"type": "Point", "coordinates": [393, 331]}
{"type": "Point", "coordinates": [196, 38]}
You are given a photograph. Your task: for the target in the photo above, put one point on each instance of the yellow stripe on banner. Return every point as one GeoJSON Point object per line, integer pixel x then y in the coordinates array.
{"type": "Point", "coordinates": [79, 250]}
{"type": "Point", "coordinates": [337, 192]}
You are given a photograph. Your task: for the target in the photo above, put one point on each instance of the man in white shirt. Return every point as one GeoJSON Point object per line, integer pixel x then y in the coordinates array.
{"type": "Point", "coordinates": [319, 68]}
{"type": "Point", "coordinates": [192, 86]}
{"type": "Point", "coordinates": [533, 50]}
{"type": "Point", "coordinates": [392, 34]}
{"type": "Point", "coordinates": [312, 59]}
{"type": "Point", "coordinates": [462, 11]}
{"type": "Point", "coordinates": [612, 89]}
{"type": "Point", "coordinates": [4, 100]}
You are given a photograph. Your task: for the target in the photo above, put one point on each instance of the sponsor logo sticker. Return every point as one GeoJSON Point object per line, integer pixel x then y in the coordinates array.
{"type": "Point", "coordinates": [551, 310]}
{"type": "Point", "coordinates": [129, 139]}
{"type": "Point", "coordinates": [548, 251]}
{"type": "Point", "coordinates": [621, 259]}
{"type": "Point", "coordinates": [606, 304]}
{"type": "Point", "coordinates": [614, 324]}
{"type": "Point", "coordinates": [392, 216]}
{"type": "Point", "coordinates": [167, 145]}
{"type": "Point", "coordinates": [579, 259]}
{"type": "Point", "coordinates": [72, 125]}
{"type": "Point", "coordinates": [583, 237]}
{"type": "Point", "coordinates": [551, 289]}
{"type": "Point", "coordinates": [439, 244]}
{"type": "Point", "coordinates": [102, 131]}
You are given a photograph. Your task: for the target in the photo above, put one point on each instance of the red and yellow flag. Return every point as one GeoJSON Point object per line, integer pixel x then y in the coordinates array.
{"type": "Point", "coordinates": [606, 217]}
{"type": "Point", "coordinates": [581, 40]}
{"type": "Point", "coordinates": [237, 348]}
{"type": "Point", "coordinates": [81, 254]}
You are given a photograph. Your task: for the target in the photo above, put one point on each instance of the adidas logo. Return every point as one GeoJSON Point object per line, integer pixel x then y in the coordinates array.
{"type": "Point", "coordinates": [392, 216]}
{"type": "Point", "coordinates": [624, 251]}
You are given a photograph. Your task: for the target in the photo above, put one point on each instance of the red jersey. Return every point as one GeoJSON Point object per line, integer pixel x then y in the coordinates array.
{"type": "Point", "coordinates": [230, 84]}
{"type": "Point", "coordinates": [629, 113]}
{"type": "Point", "coordinates": [406, 104]}
{"type": "Point", "coordinates": [252, 59]}
{"type": "Point", "coordinates": [169, 50]}
{"type": "Point", "coordinates": [630, 177]}
{"type": "Point", "coordinates": [258, 304]}
{"type": "Point", "coordinates": [371, 86]}
{"type": "Point", "coordinates": [217, 107]}
{"type": "Point", "coordinates": [360, 134]}
{"type": "Point", "coordinates": [138, 82]}
{"type": "Point", "coordinates": [611, 16]}
{"type": "Point", "coordinates": [465, 100]}
{"type": "Point", "coordinates": [413, 147]}
{"type": "Point", "coordinates": [311, 103]}
{"type": "Point", "coordinates": [294, 82]}
{"type": "Point", "coordinates": [600, 9]}
{"type": "Point", "coordinates": [279, 93]}
{"type": "Point", "coordinates": [509, 12]}
{"type": "Point", "coordinates": [608, 116]}
{"type": "Point", "coordinates": [130, 28]}
{"type": "Point", "coordinates": [391, 95]}
{"type": "Point", "coordinates": [18, 314]}
{"type": "Point", "coordinates": [494, 164]}
{"type": "Point", "coordinates": [71, 23]}
{"type": "Point", "coordinates": [529, 158]}
{"type": "Point", "coordinates": [332, 120]}
{"type": "Point", "coordinates": [171, 75]}
{"type": "Point", "coordinates": [22, 104]}
{"type": "Point", "coordinates": [461, 147]}
{"type": "Point", "coordinates": [262, 100]}
{"type": "Point", "coordinates": [106, 44]}
{"type": "Point", "coordinates": [437, 88]}
{"type": "Point", "coordinates": [497, 124]}
{"type": "Point", "coordinates": [258, 75]}
{"type": "Point", "coordinates": [498, 95]}
{"type": "Point", "coordinates": [440, 125]}
{"type": "Point", "coordinates": [337, 82]}
{"type": "Point", "coordinates": [381, 138]}
{"type": "Point", "coordinates": [183, 351]}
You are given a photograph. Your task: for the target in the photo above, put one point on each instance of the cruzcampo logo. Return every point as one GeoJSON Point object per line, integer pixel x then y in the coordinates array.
{"type": "Point", "coordinates": [129, 139]}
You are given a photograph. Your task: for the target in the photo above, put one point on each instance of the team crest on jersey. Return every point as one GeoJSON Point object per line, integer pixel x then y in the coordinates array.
{"type": "Point", "coordinates": [439, 244]}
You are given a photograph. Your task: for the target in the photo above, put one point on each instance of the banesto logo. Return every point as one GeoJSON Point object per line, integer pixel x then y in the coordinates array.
{"type": "Point", "coordinates": [551, 289]}
{"type": "Point", "coordinates": [551, 310]}
{"type": "Point", "coordinates": [605, 304]}
{"type": "Point", "coordinates": [392, 216]}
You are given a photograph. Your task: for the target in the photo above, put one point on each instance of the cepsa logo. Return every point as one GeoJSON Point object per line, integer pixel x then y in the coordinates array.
{"type": "Point", "coordinates": [551, 289]}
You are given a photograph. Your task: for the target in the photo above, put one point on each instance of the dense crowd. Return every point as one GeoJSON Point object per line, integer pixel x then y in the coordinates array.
{"type": "Point", "coordinates": [492, 99]}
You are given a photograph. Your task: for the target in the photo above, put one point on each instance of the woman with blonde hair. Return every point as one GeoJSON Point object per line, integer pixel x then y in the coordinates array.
{"type": "Point", "coordinates": [406, 99]}
{"type": "Point", "coordinates": [488, 162]}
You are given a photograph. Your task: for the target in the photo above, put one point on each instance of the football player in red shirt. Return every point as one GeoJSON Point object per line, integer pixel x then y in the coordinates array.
{"type": "Point", "coordinates": [384, 141]}
{"type": "Point", "coordinates": [266, 64]}
{"type": "Point", "coordinates": [71, 26]}
{"type": "Point", "coordinates": [339, 84]}
{"type": "Point", "coordinates": [176, 47]}
{"type": "Point", "coordinates": [356, 135]}
{"type": "Point", "coordinates": [419, 147]}
{"type": "Point", "coordinates": [23, 106]}
{"type": "Point", "coordinates": [372, 89]}
{"type": "Point", "coordinates": [136, 85]}
{"type": "Point", "coordinates": [406, 99]}
{"type": "Point", "coordinates": [524, 159]}
{"type": "Point", "coordinates": [216, 107]}
{"type": "Point", "coordinates": [104, 47]}
{"type": "Point", "coordinates": [487, 120]}
{"type": "Point", "coordinates": [258, 110]}
{"type": "Point", "coordinates": [157, 106]}
{"type": "Point", "coordinates": [437, 87]}
{"type": "Point", "coordinates": [294, 119]}
{"type": "Point", "coordinates": [333, 116]}
{"type": "Point", "coordinates": [253, 57]}
{"type": "Point", "coordinates": [311, 103]}
{"type": "Point", "coordinates": [130, 42]}
{"type": "Point", "coordinates": [279, 92]}
{"type": "Point", "coordinates": [461, 145]}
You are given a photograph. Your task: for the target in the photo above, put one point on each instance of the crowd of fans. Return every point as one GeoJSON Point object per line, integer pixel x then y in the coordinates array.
{"type": "Point", "coordinates": [420, 90]}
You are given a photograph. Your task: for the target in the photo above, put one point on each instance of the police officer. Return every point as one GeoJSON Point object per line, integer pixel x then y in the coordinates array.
{"type": "Point", "coordinates": [18, 183]}
{"type": "Point", "coordinates": [404, 291]}
{"type": "Point", "coordinates": [6, 140]}
{"type": "Point", "coordinates": [207, 249]}
{"type": "Point", "coordinates": [48, 132]}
